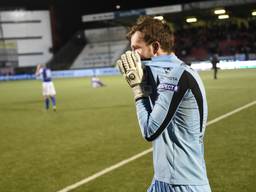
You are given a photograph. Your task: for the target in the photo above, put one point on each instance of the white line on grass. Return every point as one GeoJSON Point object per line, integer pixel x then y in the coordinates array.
{"type": "Point", "coordinates": [231, 113]}
{"type": "Point", "coordinates": [104, 171]}
{"type": "Point", "coordinates": [121, 163]}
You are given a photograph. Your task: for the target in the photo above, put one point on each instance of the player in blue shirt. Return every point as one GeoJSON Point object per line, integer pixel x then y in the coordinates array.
{"type": "Point", "coordinates": [48, 88]}
{"type": "Point", "coordinates": [171, 107]}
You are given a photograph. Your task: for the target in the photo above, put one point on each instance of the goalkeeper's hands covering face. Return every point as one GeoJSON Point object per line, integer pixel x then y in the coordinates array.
{"type": "Point", "coordinates": [130, 66]}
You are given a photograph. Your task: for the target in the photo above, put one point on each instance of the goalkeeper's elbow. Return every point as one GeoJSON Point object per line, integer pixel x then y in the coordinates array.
{"type": "Point", "coordinates": [150, 137]}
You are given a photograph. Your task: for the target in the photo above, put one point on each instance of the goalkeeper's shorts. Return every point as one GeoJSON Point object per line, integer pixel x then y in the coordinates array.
{"type": "Point", "coordinates": [159, 186]}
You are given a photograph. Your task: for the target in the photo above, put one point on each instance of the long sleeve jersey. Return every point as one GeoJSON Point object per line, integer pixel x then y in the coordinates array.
{"type": "Point", "coordinates": [174, 119]}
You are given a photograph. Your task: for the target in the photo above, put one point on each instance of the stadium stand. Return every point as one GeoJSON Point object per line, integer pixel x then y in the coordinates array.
{"type": "Point", "coordinates": [99, 54]}
{"type": "Point", "coordinates": [104, 47]}
{"type": "Point", "coordinates": [65, 57]}
{"type": "Point", "coordinates": [96, 43]}
{"type": "Point", "coordinates": [233, 39]}
{"type": "Point", "coordinates": [225, 39]}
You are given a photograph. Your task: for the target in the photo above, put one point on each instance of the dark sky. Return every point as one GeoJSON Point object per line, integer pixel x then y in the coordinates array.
{"type": "Point", "coordinates": [87, 6]}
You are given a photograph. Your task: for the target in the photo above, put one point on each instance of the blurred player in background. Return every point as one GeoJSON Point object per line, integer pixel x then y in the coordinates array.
{"type": "Point", "coordinates": [96, 82]}
{"type": "Point", "coordinates": [171, 107]}
{"type": "Point", "coordinates": [48, 88]}
{"type": "Point", "coordinates": [215, 61]}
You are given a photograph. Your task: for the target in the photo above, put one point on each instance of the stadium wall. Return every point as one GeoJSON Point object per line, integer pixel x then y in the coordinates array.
{"type": "Point", "coordinates": [26, 35]}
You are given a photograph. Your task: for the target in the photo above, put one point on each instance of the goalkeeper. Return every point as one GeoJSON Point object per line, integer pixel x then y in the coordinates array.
{"type": "Point", "coordinates": [171, 107]}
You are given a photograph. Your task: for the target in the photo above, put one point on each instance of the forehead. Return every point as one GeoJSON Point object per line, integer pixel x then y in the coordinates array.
{"type": "Point", "coordinates": [137, 38]}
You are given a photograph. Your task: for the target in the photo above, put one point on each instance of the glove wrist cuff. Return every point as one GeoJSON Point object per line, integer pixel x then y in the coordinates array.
{"type": "Point", "coordinates": [140, 91]}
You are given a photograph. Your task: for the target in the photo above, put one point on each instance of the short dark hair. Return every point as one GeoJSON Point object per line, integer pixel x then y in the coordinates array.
{"type": "Point", "coordinates": [154, 30]}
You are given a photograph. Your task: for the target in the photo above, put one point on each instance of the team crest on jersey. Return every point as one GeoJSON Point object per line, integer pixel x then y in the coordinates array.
{"type": "Point", "coordinates": [168, 87]}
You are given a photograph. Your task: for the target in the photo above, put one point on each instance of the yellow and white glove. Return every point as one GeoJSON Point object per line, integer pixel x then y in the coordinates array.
{"type": "Point", "coordinates": [131, 68]}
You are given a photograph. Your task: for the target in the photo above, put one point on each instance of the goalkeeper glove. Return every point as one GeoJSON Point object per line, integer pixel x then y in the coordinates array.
{"type": "Point", "coordinates": [131, 68]}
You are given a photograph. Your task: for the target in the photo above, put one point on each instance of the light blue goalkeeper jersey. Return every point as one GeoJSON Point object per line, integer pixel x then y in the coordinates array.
{"type": "Point", "coordinates": [174, 119]}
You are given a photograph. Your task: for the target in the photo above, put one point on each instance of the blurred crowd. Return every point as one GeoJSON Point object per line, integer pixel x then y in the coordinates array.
{"type": "Point", "coordinates": [222, 38]}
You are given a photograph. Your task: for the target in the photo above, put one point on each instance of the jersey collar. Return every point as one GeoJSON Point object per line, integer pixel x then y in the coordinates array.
{"type": "Point", "coordinates": [163, 61]}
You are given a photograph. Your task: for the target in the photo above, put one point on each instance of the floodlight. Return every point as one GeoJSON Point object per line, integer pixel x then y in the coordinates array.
{"type": "Point", "coordinates": [191, 20]}
{"type": "Point", "coordinates": [219, 11]}
{"type": "Point", "coordinates": [223, 16]}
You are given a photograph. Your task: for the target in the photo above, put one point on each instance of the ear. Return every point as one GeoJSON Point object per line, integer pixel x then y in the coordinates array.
{"type": "Point", "coordinates": [155, 46]}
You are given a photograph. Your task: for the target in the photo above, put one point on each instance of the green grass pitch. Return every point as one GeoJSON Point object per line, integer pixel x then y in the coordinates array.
{"type": "Point", "coordinates": [45, 151]}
